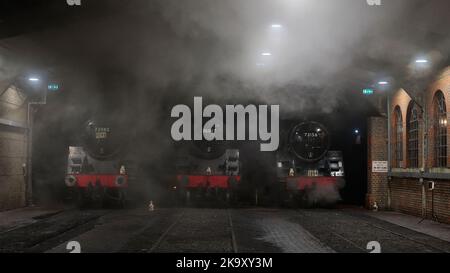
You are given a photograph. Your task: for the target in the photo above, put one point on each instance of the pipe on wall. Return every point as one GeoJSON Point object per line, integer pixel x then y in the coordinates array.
{"type": "Point", "coordinates": [388, 112]}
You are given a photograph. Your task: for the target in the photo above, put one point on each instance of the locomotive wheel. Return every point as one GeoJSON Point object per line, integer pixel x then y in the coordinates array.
{"type": "Point", "coordinates": [122, 200]}
{"type": "Point", "coordinates": [303, 200]}
{"type": "Point", "coordinates": [115, 198]}
{"type": "Point", "coordinates": [119, 202]}
{"type": "Point", "coordinates": [282, 194]}
{"type": "Point", "coordinates": [188, 197]}
{"type": "Point", "coordinates": [96, 195]}
{"type": "Point", "coordinates": [83, 201]}
{"type": "Point", "coordinates": [279, 193]}
{"type": "Point", "coordinates": [90, 197]}
{"type": "Point", "coordinates": [231, 197]}
{"type": "Point", "coordinates": [291, 200]}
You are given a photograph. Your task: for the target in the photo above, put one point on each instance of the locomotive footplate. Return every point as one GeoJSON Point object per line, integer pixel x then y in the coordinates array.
{"type": "Point", "coordinates": [208, 181]}
{"type": "Point", "coordinates": [103, 180]}
{"type": "Point", "coordinates": [305, 182]}
{"type": "Point", "coordinates": [99, 189]}
{"type": "Point", "coordinates": [200, 188]}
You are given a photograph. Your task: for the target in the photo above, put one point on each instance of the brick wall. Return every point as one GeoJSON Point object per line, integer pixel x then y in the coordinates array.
{"type": "Point", "coordinates": [405, 191]}
{"type": "Point", "coordinates": [441, 201]}
{"type": "Point", "coordinates": [13, 144]}
{"type": "Point", "coordinates": [377, 151]}
{"type": "Point", "coordinates": [406, 195]}
{"type": "Point", "coordinates": [410, 197]}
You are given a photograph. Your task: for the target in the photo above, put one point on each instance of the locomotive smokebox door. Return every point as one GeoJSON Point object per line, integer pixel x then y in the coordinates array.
{"type": "Point", "coordinates": [309, 141]}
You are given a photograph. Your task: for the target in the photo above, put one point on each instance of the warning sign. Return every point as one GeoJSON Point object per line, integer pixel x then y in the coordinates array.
{"type": "Point", "coordinates": [379, 166]}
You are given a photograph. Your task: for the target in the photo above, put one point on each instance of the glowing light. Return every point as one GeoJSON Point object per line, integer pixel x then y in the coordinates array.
{"type": "Point", "coordinates": [368, 91]}
{"type": "Point", "coordinates": [356, 131]}
{"type": "Point", "coordinates": [383, 83]}
{"type": "Point", "coordinates": [33, 79]}
{"type": "Point", "coordinates": [291, 172]}
{"type": "Point", "coordinates": [53, 87]}
{"type": "Point", "coordinates": [266, 54]}
{"type": "Point", "coordinates": [276, 26]}
{"type": "Point", "coordinates": [421, 61]}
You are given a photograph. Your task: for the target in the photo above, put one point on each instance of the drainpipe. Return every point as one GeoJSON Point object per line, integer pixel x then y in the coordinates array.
{"type": "Point", "coordinates": [388, 111]}
{"type": "Point", "coordinates": [424, 156]}
{"type": "Point", "coordinates": [29, 183]}
{"type": "Point", "coordinates": [29, 171]}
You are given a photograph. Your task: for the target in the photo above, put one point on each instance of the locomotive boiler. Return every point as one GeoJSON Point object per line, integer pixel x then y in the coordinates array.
{"type": "Point", "coordinates": [97, 167]}
{"type": "Point", "coordinates": [309, 172]}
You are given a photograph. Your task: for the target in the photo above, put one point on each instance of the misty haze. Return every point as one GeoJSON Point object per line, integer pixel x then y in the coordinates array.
{"type": "Point", "coordinates": [226, 126]}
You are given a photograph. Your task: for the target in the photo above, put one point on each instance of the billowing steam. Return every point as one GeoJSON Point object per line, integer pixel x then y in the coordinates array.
{"type": "Point", "coordinates": [323, 195]}
{"type": "Point", "coordinates": [136, 59]}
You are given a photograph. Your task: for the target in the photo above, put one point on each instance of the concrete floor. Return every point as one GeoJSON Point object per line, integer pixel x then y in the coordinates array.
{"type": "Point", "coordinates": [192, 230]}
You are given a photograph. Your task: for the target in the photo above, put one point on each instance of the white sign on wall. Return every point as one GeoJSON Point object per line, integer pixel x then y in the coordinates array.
{"type": "Point", "coordinates": [379, 166]}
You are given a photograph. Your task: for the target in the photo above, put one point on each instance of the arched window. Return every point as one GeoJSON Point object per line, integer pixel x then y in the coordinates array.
{"type": "Point", "coordinates": [440, 130]}
{"type": "Point", "coordinates": [398, 134]}
{"type": "Point", "coordinates": [412, 135]}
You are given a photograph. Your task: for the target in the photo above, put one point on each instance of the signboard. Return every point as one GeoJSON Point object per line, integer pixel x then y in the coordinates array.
{"type": "Point", "coordinates": [368, 91]}
{"type": "Point", "coordinates": [379, 166]}
{"type": "Point", "coordinates": [53, 87]}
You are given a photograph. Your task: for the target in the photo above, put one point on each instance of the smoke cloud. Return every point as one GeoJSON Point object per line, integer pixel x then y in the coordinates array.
{"type": "Point", "coordinates": [136, 59]}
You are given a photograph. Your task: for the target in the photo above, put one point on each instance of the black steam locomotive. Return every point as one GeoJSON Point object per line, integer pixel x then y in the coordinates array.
{"type": "Point", "coordinates": [308, 171]}
{"type": "Point", "coordinates": [97, 167]}
{"type": "Point", "coordinates": [207, 170]}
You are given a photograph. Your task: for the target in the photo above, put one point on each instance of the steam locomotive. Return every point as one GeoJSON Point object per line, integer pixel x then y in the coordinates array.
{"type": "Point", "coordinates": [207, 170]}
{"type": "Point", "coordinates": [97, 168]}
{"type": "Point", "coordinates": [307, 170]}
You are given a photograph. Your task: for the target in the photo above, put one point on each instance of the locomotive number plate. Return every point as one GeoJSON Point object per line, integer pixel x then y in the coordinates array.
{"type": "Point", "coordinates": [100, 135]}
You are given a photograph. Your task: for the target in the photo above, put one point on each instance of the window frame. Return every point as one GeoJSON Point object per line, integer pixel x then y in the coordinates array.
{"type": "Point", "coordinates": [412, 136]}
{"type": "Point", "coordinates": [440, 130]}
{"type": "Point", "coordinates": [398, 137]}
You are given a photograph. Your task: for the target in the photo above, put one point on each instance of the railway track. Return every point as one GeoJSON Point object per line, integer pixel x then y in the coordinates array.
{"type": "Point", "coordinates": [49, 231]}
{"type": "Point", "coordinates": [166, 232]}
{"type": "Point", "coordinates": [377, 232]}
{"type": "Point", "coordinates": [170, 231]}
{"type": "Point", "coordinates": [233, 235]}
{"type": "Point", "coordinates": [409, 238]}
{"type": "Point", "coordinates": [348, 241]}
{"type": "Point", "coordinates": [391, 232]}
{"type": "Point", "coordinates": [216, 231]}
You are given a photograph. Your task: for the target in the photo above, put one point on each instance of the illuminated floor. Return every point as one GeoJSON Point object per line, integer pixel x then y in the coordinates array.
{"type": "Point", "coordinates": [215, 230]}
